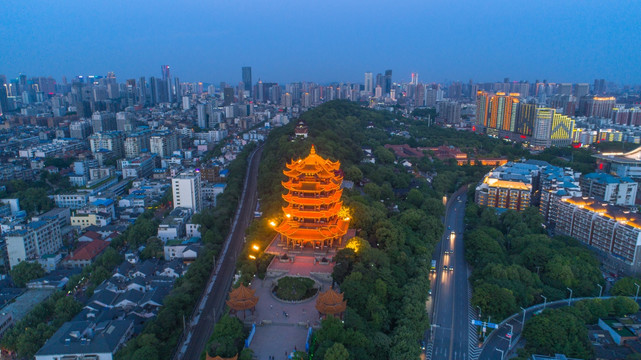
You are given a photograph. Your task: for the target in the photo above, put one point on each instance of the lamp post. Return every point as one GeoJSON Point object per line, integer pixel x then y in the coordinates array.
{"type": "Point", "coordinates": [478, 307]}
{"type": "Point", "coordinates": [570, 299]}
{"type": "Point", "coordinates": [600, 289]}
{"type": "Point", "coordinates": [497, 349]}
{"type": "Point", "coordinates": [523, 323]}
{"type": "Point", "coordinates": [637, 294]}
{"type": "Point", "coordinates": [545, 301]}
{"type": "Point", "coordinates": [511, 334]}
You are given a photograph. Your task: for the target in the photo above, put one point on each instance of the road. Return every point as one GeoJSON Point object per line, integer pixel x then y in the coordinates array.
{"type": "Point", "coordinates": [214, 295]}
{"type": "Point", "coordinates": [497, 341]}
{"type": "Point", "coordinates": [450, 306]}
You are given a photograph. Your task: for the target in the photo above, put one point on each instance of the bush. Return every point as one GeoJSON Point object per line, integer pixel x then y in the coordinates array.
{"type": "Point", "coordinates": [295, 288]}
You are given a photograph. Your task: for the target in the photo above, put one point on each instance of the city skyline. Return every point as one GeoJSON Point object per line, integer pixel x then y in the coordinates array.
{"type": "Point", "coordinates": [517, 40]}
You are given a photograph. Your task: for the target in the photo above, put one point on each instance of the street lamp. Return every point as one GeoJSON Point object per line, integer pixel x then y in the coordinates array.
{"type": "Point", "coordinates": [523, 323]}
{"type": "Point", "coordinates": [255, 247]}
{"type": "Point", "coordinates": [570, 299]}
{"type": "Point", "coordinates": [478, 307]}
{"type": "Point", "coordinates": [502, 353]}
{"type": "Point", "coordinates": [545, 301]}
{"type": "Point", "coordinates": [511, 334]}
{"type": "Point", "coordinates": [637, 294]}
{"type": "Point", "coordinates": [600, 289]}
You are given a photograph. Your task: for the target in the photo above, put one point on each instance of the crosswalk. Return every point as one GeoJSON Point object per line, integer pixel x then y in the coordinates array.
{"type": "Point", "coordinates": [473, 338]}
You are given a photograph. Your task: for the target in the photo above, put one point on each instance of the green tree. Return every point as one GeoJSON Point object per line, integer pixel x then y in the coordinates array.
{"type": "Point", "coordinates": [337, 352]}
{"type": "Point", "coordinates": [625, 286]}
{"type": "Point", "coordinates": [25, 272]}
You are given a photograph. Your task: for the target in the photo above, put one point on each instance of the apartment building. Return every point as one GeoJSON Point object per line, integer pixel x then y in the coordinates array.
{"type": "Point", "coordinates": [31, 241]}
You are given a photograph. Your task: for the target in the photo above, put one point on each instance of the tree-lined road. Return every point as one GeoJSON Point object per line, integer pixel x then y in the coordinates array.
{"type": "Point", "coordinates": [215, 294]}
{"type": "Point", "coordinates": [450, 311]}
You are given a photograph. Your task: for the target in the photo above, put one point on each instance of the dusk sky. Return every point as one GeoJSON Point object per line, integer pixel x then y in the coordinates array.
{"type": "Point", "coordinates": [324, 41]}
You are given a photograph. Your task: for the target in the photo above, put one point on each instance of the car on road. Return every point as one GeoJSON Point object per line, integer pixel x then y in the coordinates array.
{"type": "Point", "coordinates": [451, 268]}
{"type": "Point", "coordinates": [423, 347]}
{"type": "Point", "coordinates": [429, 292]}
{"type": "Point", "coordinates": [445, 267]}
{"type": "Point", "coordinates": [447, 252]}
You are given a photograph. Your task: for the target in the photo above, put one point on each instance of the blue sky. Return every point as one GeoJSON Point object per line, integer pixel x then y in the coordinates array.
{"type": "Point", "coordinates": [324, 41]}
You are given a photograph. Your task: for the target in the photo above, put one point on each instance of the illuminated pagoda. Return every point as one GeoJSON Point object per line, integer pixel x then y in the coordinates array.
{"type": "Point", "coordinates": [242, 298]}
{"type": "Point", "coordinates": [331, 302]}
{"type": "Point", "coordinates": [313, 216]}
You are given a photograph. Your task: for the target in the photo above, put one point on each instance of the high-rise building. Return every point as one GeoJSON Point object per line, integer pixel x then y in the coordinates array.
{"type": "Point", "coordinates": [387, 88]}
{"type": "Point", "coordinates": [525, 118]}
{"type": "Point", "coordinates": [142, 91]}
{"type": "Point", "coordinates": [125, 121]}
{"type": "Point", "coordinates": [562, 130]}
{"type": "Point", "coordinates": [228, 96]}
{"type": "Point", "coordinates": [186, 104]}
{"type": "Point", "coordinates": [581, 90]}
{"type": "Point", "coordinates": [247, 78]}
{"type": "Point", "coordinates": [187, 190]}
{"type": "Point", "coordinates": [597, 106]}
{"type": "Point", "coordinates": [112, 141]}
{"type": "Point", "coordinates": [136, 143]}
{"type": "Point", "coordinates": [103, 121]}
{"type": "Point", "coordinates": [369, 83]}
{"type": "Point", "coordinates": [497, 111]}
{"type": "Point", "coordinates": [166, 80]}
{"type": "Point", "coordinates": [163, 143]}
{"type": "Point", "coordinates": [414, 80]}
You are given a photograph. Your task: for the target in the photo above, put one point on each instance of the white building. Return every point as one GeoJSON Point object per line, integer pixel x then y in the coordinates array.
{"type": "Point", "coordinates": [31, 241]}
{"type": "Point", "coordinates": [187, 191]}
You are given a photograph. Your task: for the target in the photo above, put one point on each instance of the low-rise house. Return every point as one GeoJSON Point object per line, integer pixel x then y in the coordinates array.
{"type": "Point", "coordinates": [85, 254]}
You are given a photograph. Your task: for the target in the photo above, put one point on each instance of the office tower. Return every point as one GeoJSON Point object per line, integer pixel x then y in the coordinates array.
{"type": "Point", "coordinates": [177, 89]}
{"type": "Point", "coordinates": [31, 241]}
{"type": "Point", "coordinates": [142, 92]}
{"type": "Point", "coordinates": [103, 121]}
{"type": "Point", "coordinates": [388, 82]}
{"type": "Point", "coordinates": [247, 78]}
{"type": "Point", "coordinates": [163, 143]}
{"type": "Point", "coordinates": [581, 90]}
{"type": "Point", "coordinates": [228, 96]}
{"type": "Point", "coordinates": [379, 80]}
{"type": "Point", "coordinates": [167, 93]}
{"type": "Point", "coordinates": [368, 82]}
{"type": "Point", "coordinates": [4, 103]}
{"type": "Point", "coordinates": [187, 190]}
{"type": "Point", "coordinates": [153, 93]}
{"type": "Point", "coordinates": [414, 80]}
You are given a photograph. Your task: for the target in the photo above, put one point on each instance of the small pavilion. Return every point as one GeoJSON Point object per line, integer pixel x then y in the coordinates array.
{"type": "Point", "coordinates": [242, 298]}
{"type": "Point", "coordinates": [221, 358]}
{"type": "Point", "coordinates": [331, 302]}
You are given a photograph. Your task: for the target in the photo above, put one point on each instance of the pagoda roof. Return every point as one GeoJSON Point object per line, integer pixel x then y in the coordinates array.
{"type": "Point", "coordinates": [293, 230]}
{"type": "Point", "coordinates": [330, 302]}
{"type": "Point", "coordinates": [312, 164]}
{"type": "Point", "coordinates": [314, 214]}
{"type": "Point", "coordinates": [301, 200]}
{"type": "Point", "coordinates": [310, 186]}
{"type": "Point", "coordinates": [242, 298]}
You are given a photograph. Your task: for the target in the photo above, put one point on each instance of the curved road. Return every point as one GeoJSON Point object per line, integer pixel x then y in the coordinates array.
{"type": "Point", "coordinates": [450, 322]}
{"type": "Point", "coordinates": [212, 304]}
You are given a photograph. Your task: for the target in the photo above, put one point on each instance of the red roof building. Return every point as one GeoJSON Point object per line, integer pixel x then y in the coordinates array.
{"type": "Point", "coordinates": [85, 254]}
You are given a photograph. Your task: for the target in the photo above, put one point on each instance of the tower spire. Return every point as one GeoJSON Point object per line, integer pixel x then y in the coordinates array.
{"type": "Point", "coordinates": [313, 150]}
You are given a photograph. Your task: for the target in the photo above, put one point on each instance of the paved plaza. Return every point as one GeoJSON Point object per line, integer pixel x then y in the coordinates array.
{"type": "Point", "coordinates": [280, 334]}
